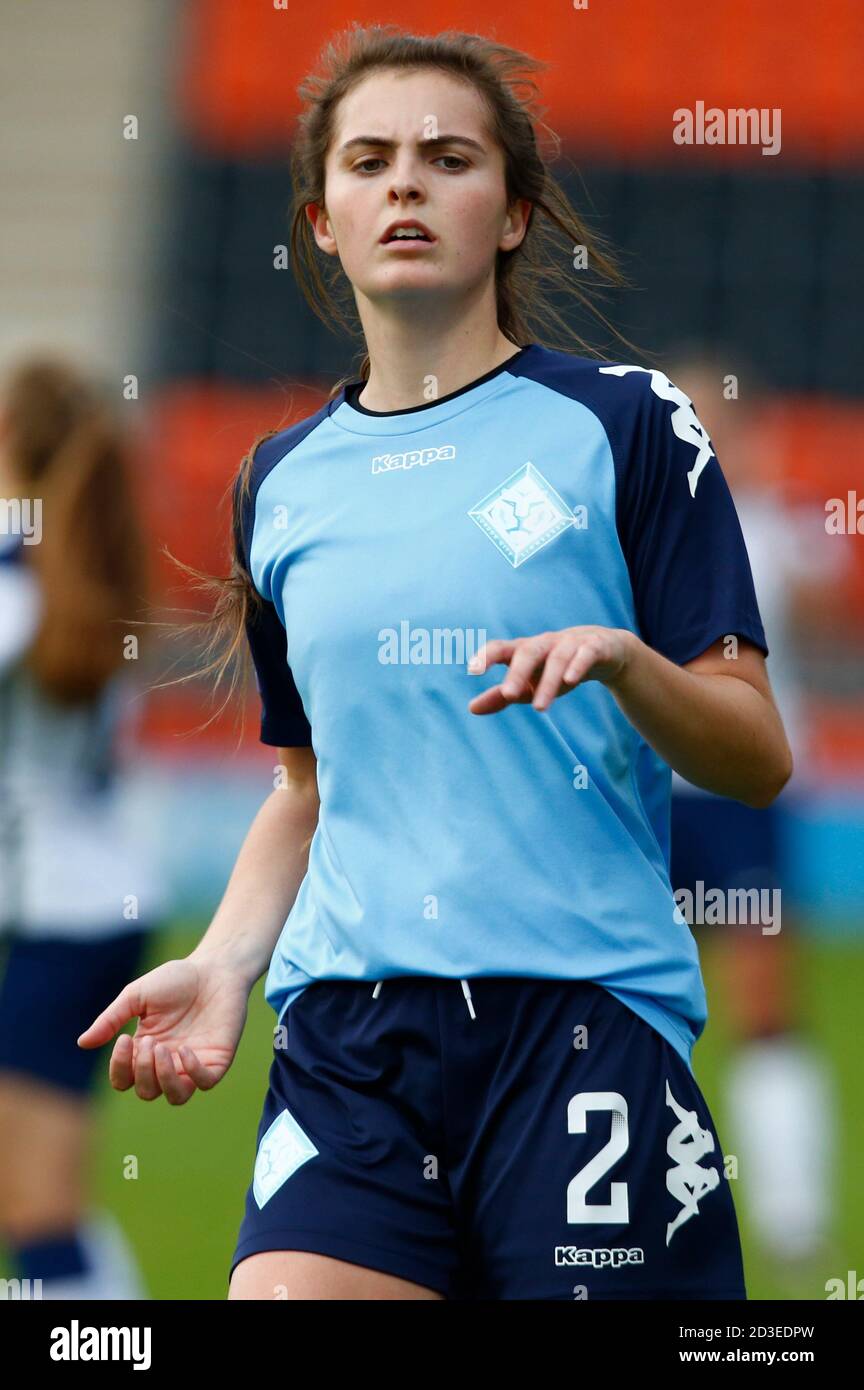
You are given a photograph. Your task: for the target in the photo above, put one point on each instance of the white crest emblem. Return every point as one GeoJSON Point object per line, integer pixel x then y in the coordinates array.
{"type": "Point", "coordinates": [283, 1149]}
{"type": "Point", "coordinates": [522, 514]}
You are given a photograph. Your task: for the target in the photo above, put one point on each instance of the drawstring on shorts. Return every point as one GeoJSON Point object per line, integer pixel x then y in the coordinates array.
{"type": "Point", "coordinates": [465, 990]}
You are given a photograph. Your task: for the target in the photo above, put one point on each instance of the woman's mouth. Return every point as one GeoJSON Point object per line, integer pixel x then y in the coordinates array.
{"type": "Point", "coordinates": [403, 244]}
{"type": "Point", "coordinates": [408, 234]}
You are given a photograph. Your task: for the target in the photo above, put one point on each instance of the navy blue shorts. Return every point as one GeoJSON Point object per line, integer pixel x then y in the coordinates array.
{"type": "Point", "coordinates": [724, 843]}
{"type": "Point", "coordinates": [552, 1146]}
{"type": "Point", "coordinates": [51, 989]}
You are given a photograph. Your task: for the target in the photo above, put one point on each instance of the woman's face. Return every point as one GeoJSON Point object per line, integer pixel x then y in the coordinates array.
{"type": "Point", "coordinates": [414, 145]}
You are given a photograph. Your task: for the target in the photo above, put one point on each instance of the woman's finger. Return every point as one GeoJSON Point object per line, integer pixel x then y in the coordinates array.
{"type": "Point", "coordinates": [556, 665]}
{"type": "Point", "coordinates": [120, 1067]}
{"type": "Point", "coordinates": [491, 701]}
{"type": "Point", "coordinates": [200, 1074]}
{"type": "Point", "coordinates": [176, 1089]}
{"type": "Point", "coordinates": [530, 653]}
{"type": "Point", "coordinates": [583, 660]}
{"type": "Point", "coordinates": [146, 1085]}
{"type": "Point", "coordinates": [126, 1006]}
{"type": "Point", "coordinates": [499, 649]}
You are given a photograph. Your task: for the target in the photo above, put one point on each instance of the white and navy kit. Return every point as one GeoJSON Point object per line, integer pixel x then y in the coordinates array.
{"type": "Point", "coordinates": [463, 865]}
{"type": "Point", "coordinates": [70, 866]}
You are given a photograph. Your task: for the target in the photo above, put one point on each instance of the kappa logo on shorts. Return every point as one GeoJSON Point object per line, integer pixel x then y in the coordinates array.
{"type": "Point", "coordinates": [605, 1255]}
{"type": "Point", "coordinates": [522, 514]}
{"type": "Point", "coordinates": [688, 1182]}
{"type": "Point", "coordinates": [284, 1148]}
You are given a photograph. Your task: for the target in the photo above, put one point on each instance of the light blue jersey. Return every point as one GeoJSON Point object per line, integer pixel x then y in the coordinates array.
{"type": "Point", "coordinates": [552, 492]}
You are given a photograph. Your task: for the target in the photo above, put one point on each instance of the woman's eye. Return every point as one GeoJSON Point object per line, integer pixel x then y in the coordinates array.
{"type": "Point", "coordinates": [460, 163]}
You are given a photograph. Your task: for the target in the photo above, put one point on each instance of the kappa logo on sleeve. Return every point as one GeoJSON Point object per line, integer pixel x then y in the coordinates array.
{"type": "Point", "coordinates": [284, 1148]}
{"type": "Point", "coordinates": [524, 513]}
{"type": "Point", "coordinates": [684, 420]}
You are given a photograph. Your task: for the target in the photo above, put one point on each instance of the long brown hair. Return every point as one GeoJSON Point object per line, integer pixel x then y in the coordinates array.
{"type": "Point", "coordinates": [66, 452]}
{"type": "Point", "coordinates": [527, 278]}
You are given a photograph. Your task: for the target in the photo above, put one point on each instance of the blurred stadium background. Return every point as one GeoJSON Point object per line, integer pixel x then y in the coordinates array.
{"type": "Point", "coordinates": [152, 258]}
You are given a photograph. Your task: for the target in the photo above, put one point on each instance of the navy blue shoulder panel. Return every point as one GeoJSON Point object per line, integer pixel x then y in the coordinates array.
{"type": "Point", "coordinates": [675, 517]}
{"type": "Point", "coordinates": [268, 453]}
{"type": "Point", "coordinates": [283, 719]}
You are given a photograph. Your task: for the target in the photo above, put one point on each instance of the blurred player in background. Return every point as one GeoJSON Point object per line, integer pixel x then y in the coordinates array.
{"type": "Point", "coordinates": [71, 572]}
{"type": "Point", "coordinates": [780, 1096]}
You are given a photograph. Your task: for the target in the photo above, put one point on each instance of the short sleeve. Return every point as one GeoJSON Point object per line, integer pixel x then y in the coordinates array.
{"type": "Point", "coordinates": [680, 534]}
{"type": "Point", "coordinates": [283, 719]}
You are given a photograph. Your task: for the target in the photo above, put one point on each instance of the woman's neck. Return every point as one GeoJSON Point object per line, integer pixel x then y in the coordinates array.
{"type": "Point", "coordinates": [415, 362]}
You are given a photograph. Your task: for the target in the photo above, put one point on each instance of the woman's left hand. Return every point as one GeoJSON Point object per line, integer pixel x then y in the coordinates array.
{"type": "Point", "coordinates": [550, 664]}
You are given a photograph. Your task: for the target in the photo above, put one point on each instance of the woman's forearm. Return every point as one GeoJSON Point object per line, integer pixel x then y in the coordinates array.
{"type": "Point", "coordinates": [263, 884]}
{"type": "Point", "coordinates": [717, 731]}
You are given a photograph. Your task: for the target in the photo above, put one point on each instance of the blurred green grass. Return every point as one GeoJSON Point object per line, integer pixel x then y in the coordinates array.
{"type": "Point", "coordinates": [194, 1162]}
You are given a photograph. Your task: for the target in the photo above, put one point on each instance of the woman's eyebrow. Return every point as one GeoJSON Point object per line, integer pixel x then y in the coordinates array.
{"type": "Point", "coordinates": [381, 142]}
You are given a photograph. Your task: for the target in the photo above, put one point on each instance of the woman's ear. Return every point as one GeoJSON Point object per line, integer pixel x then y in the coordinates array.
{"type": "Point", "coordinates": [516, 224]}
{"type": "Point", "coordinates": [321, 229]}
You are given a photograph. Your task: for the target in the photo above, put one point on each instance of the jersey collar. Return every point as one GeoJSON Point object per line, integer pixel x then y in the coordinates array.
{"type": "Point", "coordinates": [422, 417]}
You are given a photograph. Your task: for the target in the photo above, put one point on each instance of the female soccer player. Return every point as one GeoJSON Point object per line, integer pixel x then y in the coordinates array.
{"type": "Point", "coordinates": [72, 564]}
{"type": "Point", "coordinates": [486, 996]}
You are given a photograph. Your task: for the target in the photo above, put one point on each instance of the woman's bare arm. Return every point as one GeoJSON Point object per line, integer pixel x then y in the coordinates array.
{"type": "Point", "coordinates": [267, 875]}
{"type": "Point", "coordinates": [713, 720]}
